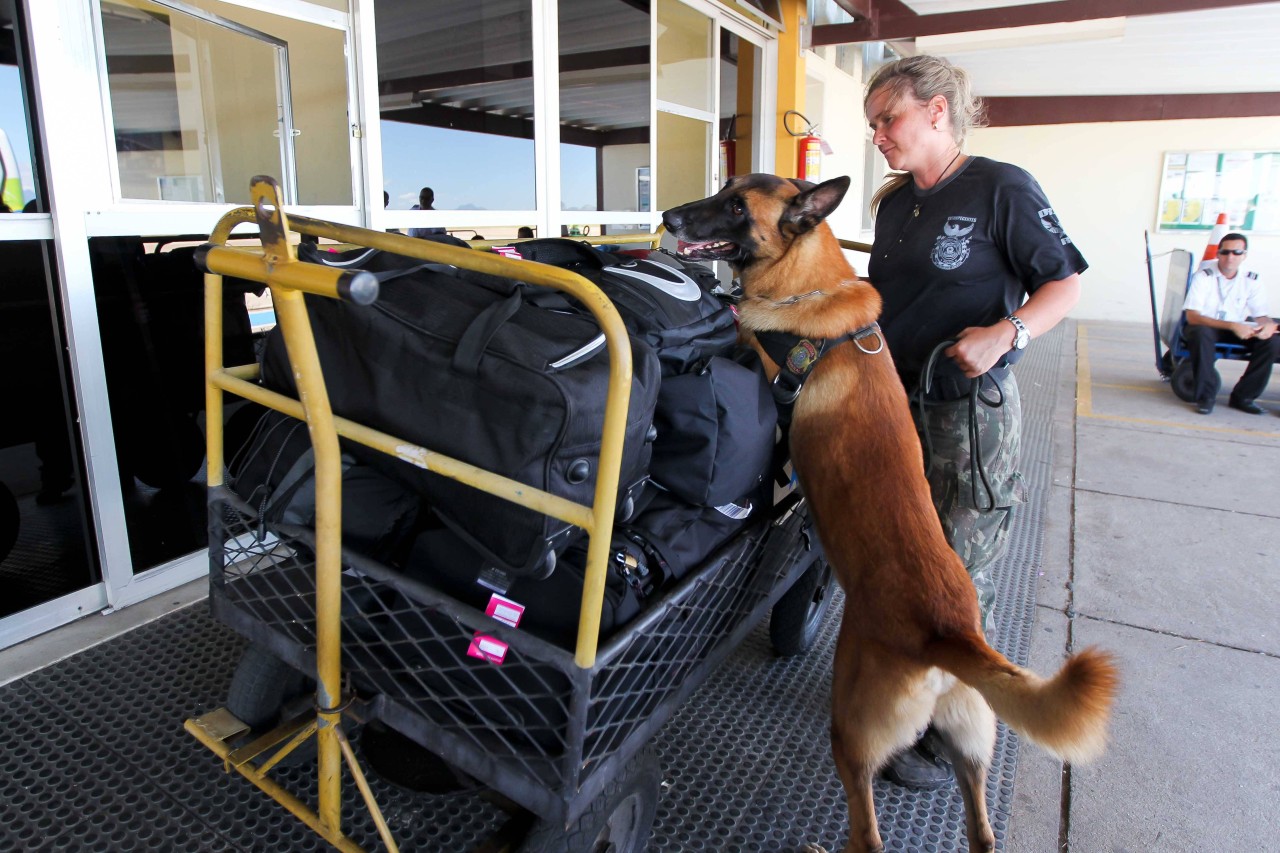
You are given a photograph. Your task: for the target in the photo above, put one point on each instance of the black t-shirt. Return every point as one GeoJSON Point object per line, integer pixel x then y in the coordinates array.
{"type": "Point", "coordinates": [961, 254]}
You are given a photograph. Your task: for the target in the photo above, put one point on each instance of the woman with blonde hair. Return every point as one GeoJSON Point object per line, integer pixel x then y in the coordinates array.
{"type": "Point", "coordinates": [960, 241]}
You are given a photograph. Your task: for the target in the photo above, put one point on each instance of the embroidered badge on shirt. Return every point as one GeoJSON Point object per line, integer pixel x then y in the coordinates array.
{"type": "Point", "coordinates": [952, 248]}
{"type": "Point", "coordinates": [1049, 220]}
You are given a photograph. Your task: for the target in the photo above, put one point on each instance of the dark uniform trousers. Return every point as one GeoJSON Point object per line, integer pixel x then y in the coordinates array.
{"type": "Point", "coordinates": [1262, 354]}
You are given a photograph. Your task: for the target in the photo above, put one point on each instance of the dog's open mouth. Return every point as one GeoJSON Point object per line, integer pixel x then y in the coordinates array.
{"type": "Point", "coordinates": [706, 250]}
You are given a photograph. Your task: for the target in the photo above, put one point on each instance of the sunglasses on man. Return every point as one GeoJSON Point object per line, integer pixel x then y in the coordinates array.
{"type": "Point", "coordinates": [1232, 251]}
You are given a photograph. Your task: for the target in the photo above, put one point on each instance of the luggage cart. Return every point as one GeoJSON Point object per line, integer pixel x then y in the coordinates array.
{"type": "Point", "coordinates": [1173, 359]}
{"type": "Point", "coordinates": [561, 734]}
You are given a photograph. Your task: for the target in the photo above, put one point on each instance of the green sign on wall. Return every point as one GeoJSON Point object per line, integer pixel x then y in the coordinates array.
{"type": "Point", "coordinates": [1196, 186]}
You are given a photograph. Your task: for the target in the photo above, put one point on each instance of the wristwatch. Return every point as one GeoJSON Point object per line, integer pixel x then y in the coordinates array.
{"type": "Point", "coordinates": [1021, 337]}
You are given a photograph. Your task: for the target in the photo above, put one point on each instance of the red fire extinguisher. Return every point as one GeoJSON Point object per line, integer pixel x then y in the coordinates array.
{"type": "Point", "coordinates": [809, 149]}
{"type": "Point", "coordinates": [728, 153]}
{"type": "Point", "coordinates": [809, 161]}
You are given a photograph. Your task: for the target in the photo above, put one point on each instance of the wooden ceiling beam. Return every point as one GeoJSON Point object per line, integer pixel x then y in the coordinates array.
{"type": "Point", "coordinates": [1080, 109]}
{"type": "Point", "coordinates": [882, 27]}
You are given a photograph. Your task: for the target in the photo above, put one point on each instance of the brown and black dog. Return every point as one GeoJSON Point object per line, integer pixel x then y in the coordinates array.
{"type": "Point", "coordinates": [911, 647]}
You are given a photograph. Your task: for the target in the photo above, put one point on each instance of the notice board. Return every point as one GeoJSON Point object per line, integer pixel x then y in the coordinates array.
{"type": "Point", "coordinates": [1198, 185]}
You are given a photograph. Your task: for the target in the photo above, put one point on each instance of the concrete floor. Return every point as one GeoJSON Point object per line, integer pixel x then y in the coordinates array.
{"type": "Point", "coordinates": [1161, 544]}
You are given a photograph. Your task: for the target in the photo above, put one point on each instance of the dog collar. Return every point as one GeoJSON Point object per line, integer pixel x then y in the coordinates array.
{"type": "Point", "coordinates": [797, 356]}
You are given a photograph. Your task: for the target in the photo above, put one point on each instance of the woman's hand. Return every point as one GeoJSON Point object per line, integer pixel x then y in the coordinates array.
{"type": "Point", "coordinates": [978, 348]}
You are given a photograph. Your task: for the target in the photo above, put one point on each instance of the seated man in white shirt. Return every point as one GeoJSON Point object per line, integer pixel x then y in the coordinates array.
{"type": "Point", "coordinates": [1227, 305]}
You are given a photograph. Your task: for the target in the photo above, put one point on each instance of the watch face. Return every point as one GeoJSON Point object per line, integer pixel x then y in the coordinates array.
{"type": "Point", "coordinates": [1021, 340]}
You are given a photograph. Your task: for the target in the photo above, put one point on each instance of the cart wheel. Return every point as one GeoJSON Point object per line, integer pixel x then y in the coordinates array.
{"type": "Point", "coordinates": [1184, 381]}
{"type": "Point", "coordinates": [796, 618]}
{"type": "Point", "coordinates": [261, 686]}
{"type": "Point", "coordinates": [618, 821]}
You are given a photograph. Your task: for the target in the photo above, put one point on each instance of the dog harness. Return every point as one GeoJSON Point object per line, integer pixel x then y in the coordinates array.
{"type": "Point", "coordinates": [797, 356]}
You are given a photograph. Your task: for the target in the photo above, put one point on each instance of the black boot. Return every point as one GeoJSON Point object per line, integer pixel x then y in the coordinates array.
{"type": "Point", "coordinates": [920, 767]}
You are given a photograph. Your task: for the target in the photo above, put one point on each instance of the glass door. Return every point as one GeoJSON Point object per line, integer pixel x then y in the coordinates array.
{"type": "Point", "coordinates": [47, 551]}
{"type": "Point", "coordinates": [711, 106]}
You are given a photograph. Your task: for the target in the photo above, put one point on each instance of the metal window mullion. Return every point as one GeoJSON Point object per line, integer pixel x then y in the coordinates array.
{"type": "Point", "coordinates": [546, 114]}
{"type": "Point", "coordinates": [288, 162]}
{"type": "Point", "coordinates": [369, 145]}
{"type": "Point", "coordinates": [68, 68]}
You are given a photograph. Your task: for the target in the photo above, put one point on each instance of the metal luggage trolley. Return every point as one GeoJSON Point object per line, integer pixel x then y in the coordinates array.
{"type": "Point", "coordinates": [559, 734]}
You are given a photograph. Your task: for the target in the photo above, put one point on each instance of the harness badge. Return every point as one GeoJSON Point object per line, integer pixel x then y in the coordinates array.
{"type": "Point", "coordinates": [802, 357]}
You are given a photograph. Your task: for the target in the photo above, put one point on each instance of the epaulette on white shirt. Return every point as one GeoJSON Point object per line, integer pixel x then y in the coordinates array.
{"type": "Point", "coordinates": [1251, 275]}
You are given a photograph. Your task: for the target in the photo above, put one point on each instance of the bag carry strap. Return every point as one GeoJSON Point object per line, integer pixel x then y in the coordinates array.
{"type": "Point", "coordinates": [475, 340]}
{"type": "Point", "coordinates": [309, 253]}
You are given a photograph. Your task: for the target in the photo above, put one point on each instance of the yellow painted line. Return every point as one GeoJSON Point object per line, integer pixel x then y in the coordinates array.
{"type": "Point", "coordinates": [1147, 389]}
{"type": "Point", "coordinates": [1084, 398]}
{"type": "Point", "coordinates": [1178, 425]}
{"type": "Point", "coordinates": [1084, 387]}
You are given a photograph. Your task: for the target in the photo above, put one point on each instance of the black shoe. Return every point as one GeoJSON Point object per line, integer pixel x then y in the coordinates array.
{"type": "Point", "coordinates": [919, 768]}
{"type": "Point", "coordinates": [1204, 407]}
{"type": "Point", "coordinates": [1247, 406]}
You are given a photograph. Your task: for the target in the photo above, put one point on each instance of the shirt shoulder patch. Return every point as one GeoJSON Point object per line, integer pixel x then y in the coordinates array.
{"type": "Point", "coordinates": [1206, 271]}
{"type": "Point", "coordinates": [1251, 275]}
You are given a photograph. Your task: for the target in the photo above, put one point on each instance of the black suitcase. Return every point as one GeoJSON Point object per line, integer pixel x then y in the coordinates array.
{"type": "Point", "coordinates": [466, 365]}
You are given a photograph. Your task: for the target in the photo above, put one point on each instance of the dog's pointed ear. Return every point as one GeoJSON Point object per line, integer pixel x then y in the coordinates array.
{"type": "Point", "coordinates": [813, 205]}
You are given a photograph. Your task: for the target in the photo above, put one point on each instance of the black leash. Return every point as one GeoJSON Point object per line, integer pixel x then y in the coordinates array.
{"type": "Point", "coordinates": [977, 470]}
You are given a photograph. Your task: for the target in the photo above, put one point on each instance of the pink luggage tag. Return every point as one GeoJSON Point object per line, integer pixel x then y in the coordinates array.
{"type": "Point", "coordinates": [487, 648]}
{"type": "Point", "coordinates": [509, 252]}
{"type": "Point", "coordinates": [505, 610]}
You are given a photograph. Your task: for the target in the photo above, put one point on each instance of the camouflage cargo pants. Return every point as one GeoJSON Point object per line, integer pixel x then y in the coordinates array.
{"type": "Point", "coordinates": [975, 521]}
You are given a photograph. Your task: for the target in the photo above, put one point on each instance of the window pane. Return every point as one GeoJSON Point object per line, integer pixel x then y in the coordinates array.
{"type": "Point", "coordinates": [740, 95]}
{"type": "Point", "coordinates": [150, 299]}
{"type": "Point", "coordinates": [318, 95]}
{"type": "Point", "coordinates": [19, 191]}
{"type": "Point", "coordinates": [201, 104]}
{"type": "Point", "coordinates": [604, 102]}
{"type": "Point", "coordinates": [684, 56]}
{"type": "Point", "coordinates": [456, 100]}
{"type": "Point", "coordinates": [45, 539]}
{"type": "Point", "coordinates": [683, 170]}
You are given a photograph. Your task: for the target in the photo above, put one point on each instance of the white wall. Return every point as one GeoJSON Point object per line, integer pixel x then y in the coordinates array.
{"type": "Point", "coordinates": [1103, 180]}
{"type": "Point", "coordinates": [833, 101]}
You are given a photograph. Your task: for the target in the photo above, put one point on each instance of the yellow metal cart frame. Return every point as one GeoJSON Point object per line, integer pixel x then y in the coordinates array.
{"type": "Point", "coordinates": [611, 705]}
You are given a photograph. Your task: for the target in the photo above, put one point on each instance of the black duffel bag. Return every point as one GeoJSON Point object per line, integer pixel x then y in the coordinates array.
{"type": "Point", "coordinates": [666, 302]}
{"type": "Point", "coordinates": [464, 364]}
{"type": "Point", "coordinates": [715, 418]}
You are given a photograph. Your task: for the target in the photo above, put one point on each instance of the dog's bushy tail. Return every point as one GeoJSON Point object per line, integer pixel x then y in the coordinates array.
{"type": "Point", "coordinates": [1066, 714]}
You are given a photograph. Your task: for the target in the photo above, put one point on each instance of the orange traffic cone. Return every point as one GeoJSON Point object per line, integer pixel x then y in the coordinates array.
{"type": "Point", "coordinates": [1215, 237]}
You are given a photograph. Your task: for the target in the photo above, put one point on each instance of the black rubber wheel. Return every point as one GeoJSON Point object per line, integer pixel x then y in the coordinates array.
{"type": "Point", "coordinates": [261, 686]}
{"type": "Point", "coordinates": [1183, 381]}
{"type": "Point", "coordinates": [619, 821]}
{"type": "Point", "coordinates": [797, 617]}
